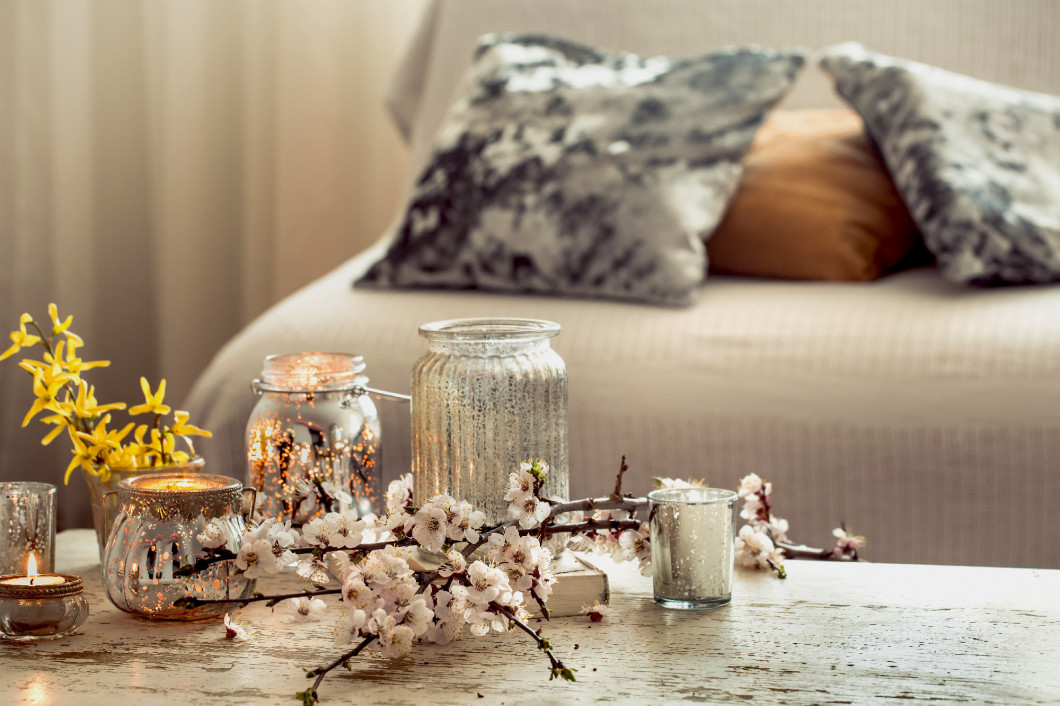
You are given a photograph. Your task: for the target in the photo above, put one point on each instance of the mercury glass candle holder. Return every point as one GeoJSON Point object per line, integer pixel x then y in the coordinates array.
{"type": "Point", "coordinates": [27, 526]}
{"type": "Point", "coordinates": [692, 546]}
{"type": "Point", "coordinates": [41, 607]}
{"type": "Point", "coordinates": [156, 523]}
{"type": "Point", "coordinates": [313, 437]}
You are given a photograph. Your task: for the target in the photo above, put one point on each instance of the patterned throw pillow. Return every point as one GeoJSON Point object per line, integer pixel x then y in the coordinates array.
{"type": "Point", "coordinates": [977, 164]}
{"type": "Point", "coordinates": [564, 169]}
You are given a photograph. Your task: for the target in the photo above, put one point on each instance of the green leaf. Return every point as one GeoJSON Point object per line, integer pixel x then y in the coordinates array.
{"type": "Point", "coordinates": [308, 697]}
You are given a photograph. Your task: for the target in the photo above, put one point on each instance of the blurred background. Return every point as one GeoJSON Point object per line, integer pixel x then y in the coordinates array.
{"type": "Point", "coordinates": [170, 168]}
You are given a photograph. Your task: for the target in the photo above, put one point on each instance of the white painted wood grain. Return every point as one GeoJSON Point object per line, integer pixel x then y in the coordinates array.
{"type": "Point", "coordinates": [830, 633]}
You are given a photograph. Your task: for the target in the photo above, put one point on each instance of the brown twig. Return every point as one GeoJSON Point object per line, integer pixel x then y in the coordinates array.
{"type": "Point", "coordinates": [622, 468]}
{"type": "Point", "coordinates": [309, 696]}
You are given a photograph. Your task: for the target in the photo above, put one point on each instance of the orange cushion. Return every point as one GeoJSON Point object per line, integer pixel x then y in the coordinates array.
{"type": "Point", "coordinates": [816, 202]}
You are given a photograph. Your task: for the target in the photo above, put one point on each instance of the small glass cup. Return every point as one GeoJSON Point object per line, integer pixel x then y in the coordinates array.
{"type": "Point", "coordinates": [692, 546]}
{"type": "Point", "coordinates": [27, 526]}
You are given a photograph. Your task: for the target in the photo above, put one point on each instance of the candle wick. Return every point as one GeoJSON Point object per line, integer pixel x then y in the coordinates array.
{"type": "Point", "coordinates": [32, 579]}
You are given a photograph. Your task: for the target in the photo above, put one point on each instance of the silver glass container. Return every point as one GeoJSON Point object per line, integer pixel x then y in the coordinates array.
{"type": "Point", "coordinates": [313, 438]}
{"type": "Point", "coordinates": [487, 395]}
{"type": "Point", "coordinates": [154, 531]}
{"type": "Point", "coordinates": [27, 526]}
{"type": "Point", "coordinates": [692, 546]}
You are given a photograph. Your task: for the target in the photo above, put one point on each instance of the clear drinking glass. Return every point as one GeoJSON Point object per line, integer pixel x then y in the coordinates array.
{"type": "Point", "coordinates": [27, 525]}
{"type": "Point", "coordinates": [488, 395]}
{"type": "Point", "coordinates": [692, 546]}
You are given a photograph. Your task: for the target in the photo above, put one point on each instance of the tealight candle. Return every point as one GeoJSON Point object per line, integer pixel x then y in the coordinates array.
{"type": "Point", "coordinates": [40, 606]}
{"type": "Point", "coordinates": [185, 484]}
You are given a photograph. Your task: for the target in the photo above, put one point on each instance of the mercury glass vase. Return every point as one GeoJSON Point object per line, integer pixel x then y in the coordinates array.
{"type": "Point", "coordinates": [313, 438]}
{"type": "Point", "coordinates": [487, 395]}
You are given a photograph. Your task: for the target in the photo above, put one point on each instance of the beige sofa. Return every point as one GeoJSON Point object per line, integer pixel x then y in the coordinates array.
{"type": "Point", "coordinates": [922, 413]}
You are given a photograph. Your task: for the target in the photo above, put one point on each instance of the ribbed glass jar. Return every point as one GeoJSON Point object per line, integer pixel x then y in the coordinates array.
{"type": "Point", "coordinates": [313, 438]}
{"type": "Point", "coordinates": [487, 395]}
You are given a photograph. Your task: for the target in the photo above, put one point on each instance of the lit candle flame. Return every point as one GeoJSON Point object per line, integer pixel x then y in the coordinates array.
{"type": "Point", "coordinates": [31, 568]}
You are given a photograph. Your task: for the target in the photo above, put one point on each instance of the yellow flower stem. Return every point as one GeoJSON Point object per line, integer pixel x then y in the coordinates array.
{"type": "Point", "coordinates": [80, 423]}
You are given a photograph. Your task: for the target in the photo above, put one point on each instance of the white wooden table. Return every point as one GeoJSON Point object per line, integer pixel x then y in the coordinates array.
{"type": "Point", "coordinates": [830, 633]}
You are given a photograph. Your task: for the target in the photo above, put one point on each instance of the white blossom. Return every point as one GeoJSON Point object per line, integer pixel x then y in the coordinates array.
{"type": "Point", "coordinates": [596, 612]}
{"type": "Point", "coordinates": [667, 483]}
{"type": "Point", "coordinates": [399, 494]}
{"type": "Point", "coordinates": [306, 609]}
{"type": "Point", "coordinates": [429, 526]}
{"type": "Point", "coordinates": [418, 616]}
{"type": "Point", "coordinates": [456, 564]}
{"type": "Point", "coordinates": [520, 485]}
{"type": "Point", "coordinates": [350, 626]}
{"type": "Point", "coordinates": [487, 584]}
{"type": "Point", "coordinates": [396, 642]}
{"type": "Point", "coordinates": [847, 545]}
{"type": "Point", "coordinates": [482, 621]}
{"type": "Point", "coordinates": [255, 556]}
{"type": "Point", "coordinates": [464, 522]}
{"type": "Point", "coordinates": [751, 484]}
{"type": "Point", "coordinates": [530, 513]}
{"type": "Point", "coordinates": [637, 545]}
{"type": "Point", "coordinates": [356, 593]}
{"type": "Point", "coordinates": [313, 570]}
{"type": "Point", "coordinates": [754, 549]}
{"type": "Point", "coordinates": [234, 630]}
{"type": "Point", "coordinates": [213, 535]}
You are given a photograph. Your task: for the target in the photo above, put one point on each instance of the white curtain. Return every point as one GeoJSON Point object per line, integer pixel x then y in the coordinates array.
{"type": "Point", "coordinates": [168, 169]}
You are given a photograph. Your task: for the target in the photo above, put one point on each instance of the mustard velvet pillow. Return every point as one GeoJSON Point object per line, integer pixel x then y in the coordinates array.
{"type": "Point", "coordinates": [816, 202]}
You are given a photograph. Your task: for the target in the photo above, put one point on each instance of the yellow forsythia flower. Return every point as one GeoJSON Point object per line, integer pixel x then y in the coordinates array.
{"type": "Point", "coordinates": [22, 338]}
{"type": "Point", "coordinates": [152, 403]}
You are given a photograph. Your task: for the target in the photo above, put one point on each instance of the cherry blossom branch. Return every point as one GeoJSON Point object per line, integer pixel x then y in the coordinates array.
{"type": "Point", "coordinates": [590, 504]}
{"type": "Point", "coordinates": [309, 696]}
{"type": "Point", "coordinates": [559, 670]}
{"type": "Point", "coordinates": [587, 526]}
{"type": "Point", "coordinates": [193, 602]}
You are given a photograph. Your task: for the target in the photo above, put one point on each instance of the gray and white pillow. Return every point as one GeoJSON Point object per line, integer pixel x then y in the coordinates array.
{"type": "Point", "coordinates": [977, 164]}
{"type": "Point", "coordinates": [564, 169]}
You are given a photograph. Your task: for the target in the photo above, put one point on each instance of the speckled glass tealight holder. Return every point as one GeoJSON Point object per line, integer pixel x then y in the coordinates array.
{"type": "Point", "coordinates": [692, 546]}
{"type": "Point", "coordinates": [27, 526]}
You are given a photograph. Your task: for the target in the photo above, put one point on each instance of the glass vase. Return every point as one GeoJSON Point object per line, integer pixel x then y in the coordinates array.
{"type": "Point", "coordinates": [487, 395]}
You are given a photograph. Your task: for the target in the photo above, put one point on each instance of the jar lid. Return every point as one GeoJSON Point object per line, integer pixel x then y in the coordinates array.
{"type": "Point", "coordinates": [71, 586]}
{"type": "Point", "coordinates": [311, 372]}
{"type": "Point", "coordinates": [489, 329]}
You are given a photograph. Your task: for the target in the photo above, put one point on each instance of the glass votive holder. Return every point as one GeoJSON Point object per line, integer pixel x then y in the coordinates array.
{"type": "Point", "coordinates": [692, 546]}
{"type": "Point", "coordinates": [41, 607]}
{"type": "Point", "coordinates": [27, 526]}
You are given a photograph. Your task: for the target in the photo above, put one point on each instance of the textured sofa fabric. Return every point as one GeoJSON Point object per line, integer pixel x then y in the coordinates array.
{"type": "Point", "coordinates": [920, 412]}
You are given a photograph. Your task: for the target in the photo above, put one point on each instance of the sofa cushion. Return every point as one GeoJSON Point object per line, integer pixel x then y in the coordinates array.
{"type": "Point", "coordinates": [815, 203]}
{"type": "Point", "coordinates": [977, 164]}
{"type": "Point", "coordinates": [566, 169]}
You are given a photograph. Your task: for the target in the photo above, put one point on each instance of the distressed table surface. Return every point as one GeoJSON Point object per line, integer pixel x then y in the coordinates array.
{"type": "Point", "coordinates": [830, 633]}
